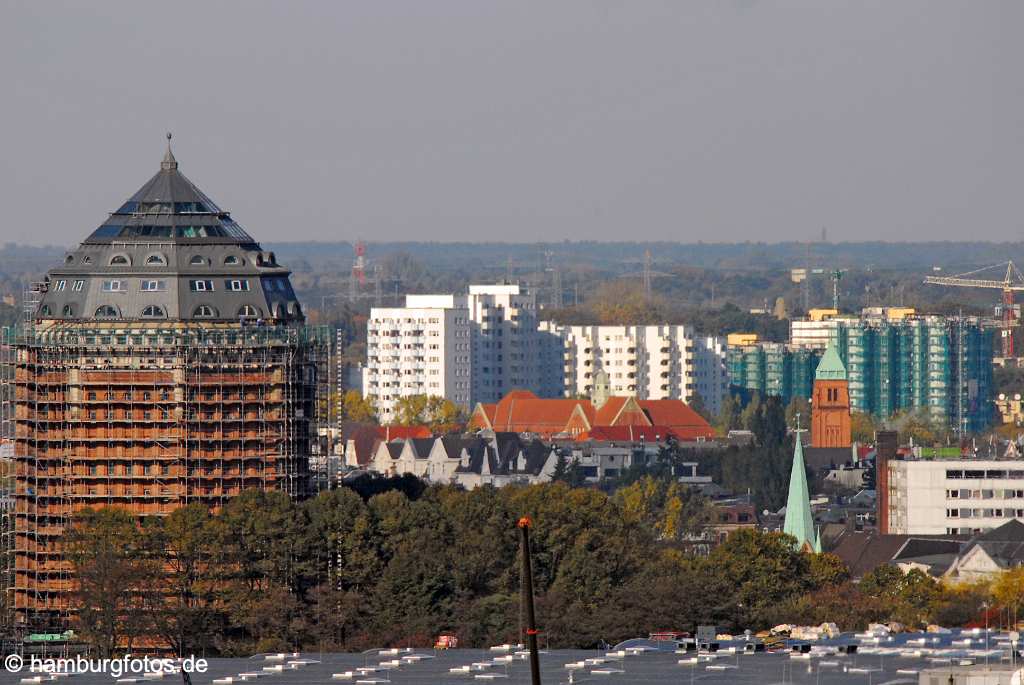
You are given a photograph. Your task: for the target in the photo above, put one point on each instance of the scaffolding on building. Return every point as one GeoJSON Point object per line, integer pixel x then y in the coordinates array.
{"type": "Point", "coordinates": [149, 416]}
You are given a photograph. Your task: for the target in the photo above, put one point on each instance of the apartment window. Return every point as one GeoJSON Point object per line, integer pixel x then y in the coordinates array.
{"type": "Point", "coordinates": [77, 286]}
{"type": "Point", "coordinates": [154, 286]}
{"type": "Point", "coordinates": [236, 285]}
{"type": "Point", "coordinates": [114, 286]}
{"type": "Point", "coordinates": [60, 285]}
{"type": "Point", "coordinates": [200, 286]}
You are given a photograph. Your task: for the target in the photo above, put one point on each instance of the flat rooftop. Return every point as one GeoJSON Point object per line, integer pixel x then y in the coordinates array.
{"type": "Point", "coordinates": [895, 659]}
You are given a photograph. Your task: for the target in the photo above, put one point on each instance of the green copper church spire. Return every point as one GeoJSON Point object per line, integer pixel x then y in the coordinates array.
{"type": "Point", "coordinates": [799, 521]}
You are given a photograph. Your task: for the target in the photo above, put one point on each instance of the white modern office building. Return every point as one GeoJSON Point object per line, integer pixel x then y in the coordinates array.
{"type": "Point", "coordinates": [648, 362]}
{"type": "Point", "coordinates": [938, 496]}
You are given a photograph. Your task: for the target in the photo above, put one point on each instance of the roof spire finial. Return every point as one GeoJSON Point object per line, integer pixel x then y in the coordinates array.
{"type": "Point", "coordinates": [169, 161]}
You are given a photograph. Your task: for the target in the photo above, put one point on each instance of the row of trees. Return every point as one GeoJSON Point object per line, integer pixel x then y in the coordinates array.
{"type": "Point", "coordinates": [351, 570]}
{"type": "Point", "coordinates": [769, 416]}
{"type": "Point", "coordinates": [411, 410]}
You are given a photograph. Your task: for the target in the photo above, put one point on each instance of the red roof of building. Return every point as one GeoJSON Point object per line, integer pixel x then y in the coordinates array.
{"type": "Point", "coordinates": [628, 433]}
{"type": "Point", "coordinates": [684, 422]}
{"type": "Point", "coordinates": [523, 412]}
{"type": "Point", "coordinates": [389, 433]}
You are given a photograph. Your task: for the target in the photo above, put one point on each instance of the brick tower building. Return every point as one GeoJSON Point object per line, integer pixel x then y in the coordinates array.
{"type": "Point", "coordinates": [830, 403]}
{"type": "Point", "coordinates": [164, 362]}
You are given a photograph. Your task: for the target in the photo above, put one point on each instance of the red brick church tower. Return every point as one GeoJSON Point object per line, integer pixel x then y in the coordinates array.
{"type": "Point", "coordinates": [830, 404]}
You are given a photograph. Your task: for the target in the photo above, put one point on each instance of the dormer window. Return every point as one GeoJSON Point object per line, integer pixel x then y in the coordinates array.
{"type": "Point", "coordinates": [197, 260]}
{"type": "Point", "coordinates": [232, 260]}
{"type": "Point", "coordinates": [69, 259]}
{"type": "Point", "coordinates": [120, 260]}
{"type": "Point", "coordinates": [156, 260]}
{"type": "Point", "coordinates": [87, 260]}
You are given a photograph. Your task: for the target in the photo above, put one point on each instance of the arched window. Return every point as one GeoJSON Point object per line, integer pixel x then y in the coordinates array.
{"type": "Point", "coordinates": [120, 260]}
{"type": "Point", "coordinates": [45, 310]}
{"type": "Point", "coordinates": [69, 259]}
{"type": "Point", "coordinates": [69, 310]}
{"type": "Point", "coordinates": [197, 260]}
{"type": "Point", "coordinates": [204, 311]}
{"type": "Point", "coordinates": [153, 312]}
{"type": "Point", "coordinates": [248, 311]}
{"type": "Point", "coordinates": [106, 311]}
{"type": "Point", "coordinates": [156, 260]}
{"type": "Point", "coordinates": [231, 260]}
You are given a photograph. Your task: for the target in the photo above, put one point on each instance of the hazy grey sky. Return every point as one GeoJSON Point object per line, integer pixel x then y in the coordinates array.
{"type": "Point", "coordinates": [523, 121]}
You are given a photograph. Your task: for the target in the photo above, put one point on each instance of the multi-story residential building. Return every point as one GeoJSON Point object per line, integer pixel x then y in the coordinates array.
{"type": "Point", "coordinates": [467, 348]}
{"type": "Point", "coordinates": [504, 340]}
{"type": "Point", "coordinates": [646, 362]}
{"type": "Point", "coordinates": [774, 369]}
{"type": "Point", "coordinates": [893, 364]}
{"type": "Point", "coordinates": [423, 348]}
{"type": "Point", "coordinates": [939, 496]}
{"type": "Point", "coordinates": [710, 374]}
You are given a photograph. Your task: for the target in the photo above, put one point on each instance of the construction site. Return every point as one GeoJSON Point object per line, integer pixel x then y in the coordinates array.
{"type": "Point", "coordinates": [166, 362]}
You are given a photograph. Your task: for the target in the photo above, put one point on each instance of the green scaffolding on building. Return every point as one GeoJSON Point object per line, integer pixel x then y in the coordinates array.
{"type": "Point", "coordinates": [893, 366]}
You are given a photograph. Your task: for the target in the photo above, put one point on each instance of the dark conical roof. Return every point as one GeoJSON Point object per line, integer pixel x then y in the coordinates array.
{"type": "Point", "coordinates": [169, 254]}
{"type": "Point", "coordinates": [170, 207]}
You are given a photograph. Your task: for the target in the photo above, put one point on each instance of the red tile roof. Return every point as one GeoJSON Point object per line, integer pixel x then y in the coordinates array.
{"type": "Point", "coordinates": [389, 433]}
{"type": "Point", "coordinates": [627, 433]}
{"type": "Point", "coordinates": [685, 422]}
{"type": "Point", "coordinates": [522, 411]}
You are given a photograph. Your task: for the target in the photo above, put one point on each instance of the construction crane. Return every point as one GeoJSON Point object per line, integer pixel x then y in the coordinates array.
{"type": "Point", "coordinates": [1012, 282]}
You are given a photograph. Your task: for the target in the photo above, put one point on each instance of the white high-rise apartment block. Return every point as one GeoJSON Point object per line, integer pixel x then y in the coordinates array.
{"type": "Point", "coordinates": [504, 340]}
{"type": "Point", "coordinates": [648, 362]}
{"type": "Point", "coordinates": [710, 373]}
{"type": "Point", "coordinates": [423, 348]}
{"type": "Point", "coordinates": [467, 348]}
